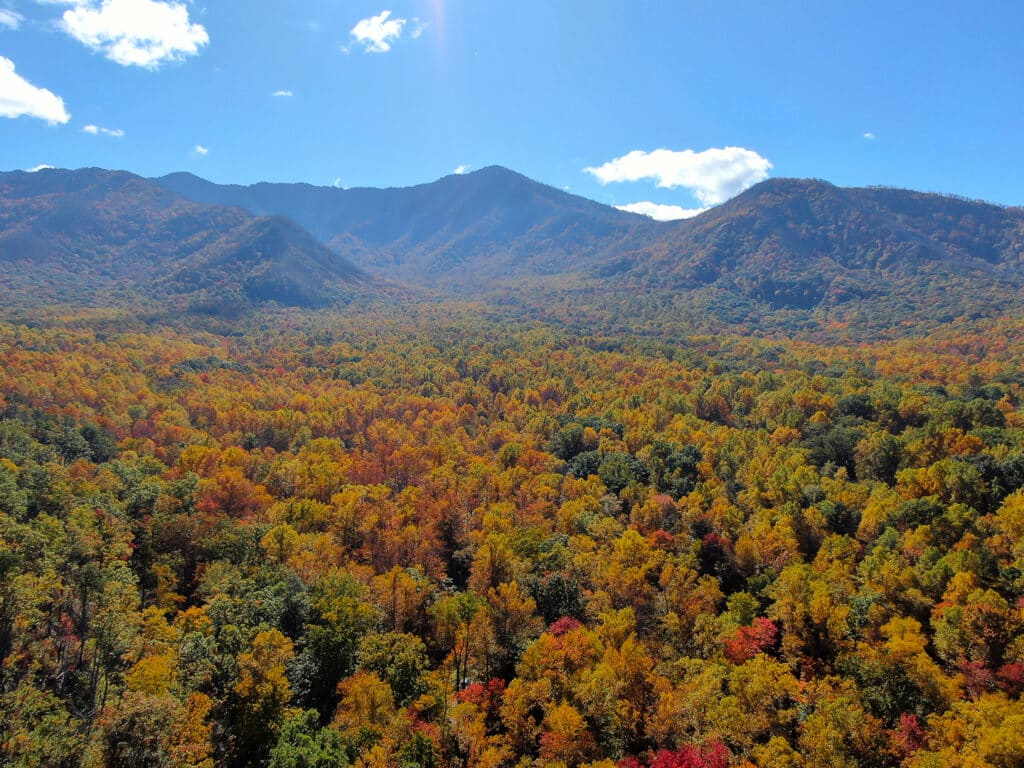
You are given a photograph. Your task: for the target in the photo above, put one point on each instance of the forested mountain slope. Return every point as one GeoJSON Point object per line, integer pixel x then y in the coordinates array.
{"type": "Point", "coordinates": [797, 243]}
{"type": "Point", "coordinates": [871, 256]}
{"type": "Point", "coordinates": [787, 255]}
{"type": "Point", "coordinates": [99, 236]}
{"type": "Point", "coordinates": [463, 231]}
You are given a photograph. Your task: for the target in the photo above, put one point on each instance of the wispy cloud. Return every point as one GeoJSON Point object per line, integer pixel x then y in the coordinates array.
{"type": "Point", "coordinates": [19, 97]}
{"type": "Point", "coordinates": [660, 212]}
{"type": "Point", "coordinates": [869, 136]}
{"type": "Point", "coordinates": [201, 150]}
{"type": "Point", "coordinates": [337, 183]}
{"type": "Point", "coordinates": [98, 130]}
{"type": "Point", "coordinates": [10, 19]}
{"type": "Point", "coordinates": [282, 94]}
{"type": "Point", "coordinates": [461, 169]}
{"type": "Point", "coordinates": [377, 33]}
{"type": "Point", "coordinates": [712, 176]}
{"type": "Point", "coordinates": [141, 33]}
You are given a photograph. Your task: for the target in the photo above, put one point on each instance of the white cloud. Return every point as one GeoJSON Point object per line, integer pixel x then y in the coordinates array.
{"type": "Point", "coordinates": [376, 33]}
{"type": "Point", "coordinates": [19, 97]}
{"type": "Point", "coordinates": [869, 136]}
{"type": "Point", "coordinates": [97, 130]}
{"type": "Point", "coordinates": [337, 183]}
{"type": "Point", "coordinates": [418, 27]}
{"type": "Point", "coordinates": [141, 33]}
{"type": "Point", "coordinates": [713, 176]}
{"type": "Point", "coordinates": [37, 168]}
{"type": "Point", "coordinates": [461, 169]}
{"type": "Point", "coordinates": [283, 94]}
{"type": "Point", "coordinates": [201, 150]}
{"type": "Point", "coordinates": [660, 212]}
{"type": "Point", "coordinates": [10, 19]}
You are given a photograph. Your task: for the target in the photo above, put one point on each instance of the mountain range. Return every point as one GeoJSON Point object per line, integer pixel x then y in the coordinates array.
{"type": "Point", "coordinates": [462, 232]}
{"type": "Point", "coordinates": [797, 249]}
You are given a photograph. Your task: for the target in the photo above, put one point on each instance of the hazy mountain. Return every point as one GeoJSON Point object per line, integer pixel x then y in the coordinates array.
{"type": "Point", "coordinates": [804, 251]}
{"type": "Point", "coordinates": [92, 235]}
{"type": "Point", "coordinates": [460, 231]}
{"type": "Point", "coordinates": [783, 244]}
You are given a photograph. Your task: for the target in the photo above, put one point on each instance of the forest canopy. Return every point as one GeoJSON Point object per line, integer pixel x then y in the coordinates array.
{"type": "Point", "coordinates": [372, 541]}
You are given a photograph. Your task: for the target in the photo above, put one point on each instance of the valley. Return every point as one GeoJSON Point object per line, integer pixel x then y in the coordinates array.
{"type": "Point", "coordinates": [483, 474]}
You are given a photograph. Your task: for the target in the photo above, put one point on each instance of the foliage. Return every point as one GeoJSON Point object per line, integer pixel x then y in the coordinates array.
{"type": "Point", "coordinates": [353, 542]}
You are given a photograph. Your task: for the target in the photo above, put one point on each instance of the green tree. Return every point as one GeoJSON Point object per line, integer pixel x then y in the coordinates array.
{"type": "Point", "coordinates": [302, 743]}
{"type": "Point", "coordinates": [397, 658]}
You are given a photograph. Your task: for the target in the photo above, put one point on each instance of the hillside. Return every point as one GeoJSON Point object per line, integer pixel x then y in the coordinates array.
{"type": "Point", "coordinates": [787, 254]}
{"type": "Point", "coordinates": [801, 244]}
{"type": "Point", "coordinates": [464, 232]}
{"type": "Point", "coordinates": [873, 256]}
{"type": "Point", "coordinates": [797, 254]}
{"type": "Point", "coordinates": [95, 236]}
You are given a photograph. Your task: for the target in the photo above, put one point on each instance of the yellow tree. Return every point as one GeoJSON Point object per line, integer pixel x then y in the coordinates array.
{"type": "Point", "coordinates": [262, 689]}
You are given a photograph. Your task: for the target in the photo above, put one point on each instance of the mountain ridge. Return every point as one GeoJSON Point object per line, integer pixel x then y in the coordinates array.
{"type": "Point", "coordinates": [448, 233]}
{"type": "Point", "coordinates": [875, 256]}
{"type": "Point", "coordinates": [610, 238]}
{"type": "Point", "coordinates": [81, 235]}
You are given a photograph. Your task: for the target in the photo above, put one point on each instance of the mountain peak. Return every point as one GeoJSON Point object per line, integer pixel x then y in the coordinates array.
{"type": "Point", "coordinates": [492, 222]}
{"type": "Point", "coordinates": [497, 171]}
{"type": "Point", "coordinates": [182, 176]}
{"type": "Point", "coordinates": [785, 185]}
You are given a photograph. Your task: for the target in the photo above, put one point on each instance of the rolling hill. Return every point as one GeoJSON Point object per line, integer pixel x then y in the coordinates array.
{"type": "Point", "coordinates": [93, 236]}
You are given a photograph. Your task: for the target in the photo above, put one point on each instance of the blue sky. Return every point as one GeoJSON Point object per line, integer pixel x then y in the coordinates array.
{"type": "Point", "coordinates": [397, 92]}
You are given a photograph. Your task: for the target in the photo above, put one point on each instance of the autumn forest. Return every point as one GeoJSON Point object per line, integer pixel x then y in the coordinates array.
{"type": "Point", "coordinates": [458, 384]}
{"type": "Point", "coordinates": [415, 539]}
